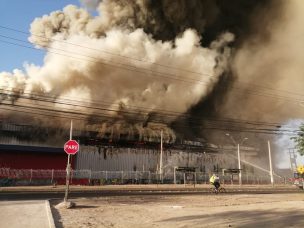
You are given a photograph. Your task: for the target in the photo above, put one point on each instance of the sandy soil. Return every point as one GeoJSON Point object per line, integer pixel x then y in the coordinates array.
{"type": "Point", "coordinates": [251, 210]}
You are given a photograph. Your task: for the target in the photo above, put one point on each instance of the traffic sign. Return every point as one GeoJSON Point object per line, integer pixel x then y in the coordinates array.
{"type": "Point", "coordinates": [71, 147]}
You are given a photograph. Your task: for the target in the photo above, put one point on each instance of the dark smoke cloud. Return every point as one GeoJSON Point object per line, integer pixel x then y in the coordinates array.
{"type": "Point", "coordinates": [165, 19]}
{"type": "Point", "coordinates": [136, 28]}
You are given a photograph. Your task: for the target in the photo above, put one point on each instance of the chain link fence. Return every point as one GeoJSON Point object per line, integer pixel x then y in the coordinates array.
{"type": "Point", "coordinates": [11, 177]}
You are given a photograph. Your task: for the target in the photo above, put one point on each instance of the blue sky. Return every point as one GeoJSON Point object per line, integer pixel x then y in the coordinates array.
{"type": "Point", "coordinates": [18, 14]}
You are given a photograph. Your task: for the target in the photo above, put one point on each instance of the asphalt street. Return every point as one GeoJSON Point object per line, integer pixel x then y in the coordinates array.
{"type": "Point", "coordinates": [47, 193]}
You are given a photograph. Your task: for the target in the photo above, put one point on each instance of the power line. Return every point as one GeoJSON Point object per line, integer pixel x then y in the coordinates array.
{"type": "Point", "coordinates": [136, 111]}
{"type": "Point", "coordinates": [210, 124]}
{"type": "Point", "coordinates": [82, 116]}
{"type": "Point", "coordinates": [250, 92]}
{"type": "Point", "coordinates": [129, 57]}
{"type": "Point", "coordinates": [164, 116]}
{"type": "Point", "coordinates": [105, 51]}
{"type": "Point", "coordinates": [94, 59]}
{"type": "Point", "coordinates": [124, 67]}
{"type": "Point", "coordinates": [161, 75]}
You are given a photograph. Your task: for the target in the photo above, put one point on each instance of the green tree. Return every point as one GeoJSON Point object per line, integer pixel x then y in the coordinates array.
{"type": "Point", "coordinates": [299, 140]}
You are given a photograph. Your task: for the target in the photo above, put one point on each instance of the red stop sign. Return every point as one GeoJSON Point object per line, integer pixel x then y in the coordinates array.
{"type": "Point", "coordinates": [71, 147]}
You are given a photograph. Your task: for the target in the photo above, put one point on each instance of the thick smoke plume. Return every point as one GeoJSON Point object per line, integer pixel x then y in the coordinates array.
{"type": "Point", "coordinates": [268, 66]}
{"type": "Point", "coordinates": [111, 59]}
{"type": "Point", "coordinates": [186, 56]}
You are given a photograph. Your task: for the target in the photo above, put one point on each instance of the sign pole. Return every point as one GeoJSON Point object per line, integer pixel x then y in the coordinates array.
{"type": "Point", "coordinates": [68, 169]}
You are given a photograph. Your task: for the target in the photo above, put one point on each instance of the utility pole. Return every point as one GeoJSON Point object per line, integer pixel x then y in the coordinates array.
{"type": "Point", "coordinates": [239, 163]}
{"type": "Point", "coordinates": [270, 165]}
{"type": "Point", "coordinates": [238, 155]}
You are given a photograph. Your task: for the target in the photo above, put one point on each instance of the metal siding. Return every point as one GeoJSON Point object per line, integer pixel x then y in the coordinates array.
{"type": "Point", "coordinates": [124, 159]}
{"type": "Point", "coordinates": [117, 159]}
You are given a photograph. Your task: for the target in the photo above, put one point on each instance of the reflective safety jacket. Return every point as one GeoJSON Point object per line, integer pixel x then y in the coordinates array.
{"type": "Point", "coordinates": [212, 179]}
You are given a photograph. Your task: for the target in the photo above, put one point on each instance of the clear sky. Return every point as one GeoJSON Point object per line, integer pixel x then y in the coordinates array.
{"type": "Point", "coordinates": [18, 14]}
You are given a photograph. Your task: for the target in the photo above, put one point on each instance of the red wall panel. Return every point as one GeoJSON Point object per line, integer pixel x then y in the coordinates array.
{"type": "Point", "coordinates": [33, 160]}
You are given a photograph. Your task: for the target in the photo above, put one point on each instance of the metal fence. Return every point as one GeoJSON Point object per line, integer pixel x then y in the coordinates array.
{"type": "Point", "coordinates": [10, 177]}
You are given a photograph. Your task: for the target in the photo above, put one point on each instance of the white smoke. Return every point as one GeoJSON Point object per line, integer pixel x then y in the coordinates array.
{"type": "Point", "coordinates": [284, 142]}
{"type": "Point", "coordinates": [118, 66]}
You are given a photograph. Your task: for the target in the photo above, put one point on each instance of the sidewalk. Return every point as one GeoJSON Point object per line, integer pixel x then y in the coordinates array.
{"type": "Point", "coordinates": [25, 214]}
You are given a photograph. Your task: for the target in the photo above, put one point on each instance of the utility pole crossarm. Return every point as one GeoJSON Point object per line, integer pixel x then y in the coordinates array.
{"type": "Point", "coordinates": [238, 155]}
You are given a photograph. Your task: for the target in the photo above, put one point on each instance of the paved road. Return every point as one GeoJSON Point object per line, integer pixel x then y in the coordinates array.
{"type": "Point", "coordinates": [25, 214]}
{"type": "Point", "coordinates": [91, 192]}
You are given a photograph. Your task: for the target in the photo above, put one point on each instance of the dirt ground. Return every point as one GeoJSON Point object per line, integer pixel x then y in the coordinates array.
{"type": "Point", "coordinates": [242, 210]}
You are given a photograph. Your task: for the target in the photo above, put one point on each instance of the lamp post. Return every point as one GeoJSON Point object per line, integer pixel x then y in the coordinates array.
{"type": "Point", "coordinates": [238, 154]}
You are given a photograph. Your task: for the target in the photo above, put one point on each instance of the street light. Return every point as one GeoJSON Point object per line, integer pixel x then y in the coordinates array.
{"type": "Point", "coordinates": [238, 153]}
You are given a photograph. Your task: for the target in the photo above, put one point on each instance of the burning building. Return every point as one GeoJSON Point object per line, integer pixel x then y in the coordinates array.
{"type": "Point", "coordinates": [18, 150]}
{"type": "Point", "coordinates": [139, 68]}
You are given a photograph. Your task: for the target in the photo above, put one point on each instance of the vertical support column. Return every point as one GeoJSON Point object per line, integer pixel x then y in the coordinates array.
{"type": "Point", "coordinates": [161, 157]}
{"type": "Point", "coordinates": [31, 176]}
{"type": "Point", "coordinates": [149, 177]}
{"type": "Point", "coordinates": [52, 176]}
{"type": "Point", "coordinates": [270, 165]}
{"type": "Point", "coordinates": [239, 161]}
{"type": "Point", "coordinates": [122, 173]}
{"type": "Point", "coordinates": [174, 173]}
{"type": "Point", "coordinates": [90, 176]}
{"type": "Point", "coordinates": [205, 177]}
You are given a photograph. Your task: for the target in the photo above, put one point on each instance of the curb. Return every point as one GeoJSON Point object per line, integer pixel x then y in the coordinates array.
{"type": "Point", "coordinates": [49, 214]}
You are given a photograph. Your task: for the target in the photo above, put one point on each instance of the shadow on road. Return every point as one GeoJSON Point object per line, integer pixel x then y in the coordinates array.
{"type": "Point", "coordinates": [57, 217]}
{"type": "Point", "coordinates": [83, 206]}
{"type": "Point", "coordinates": [257, 218]}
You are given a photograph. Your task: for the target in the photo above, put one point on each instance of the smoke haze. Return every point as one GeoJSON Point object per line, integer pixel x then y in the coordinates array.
{"type": "Point", "coordinates": [119, 64]}
{"type": "Point", "coordinates": [186, 56]}
{"type": "Point", "coordinates": [270, 59]}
